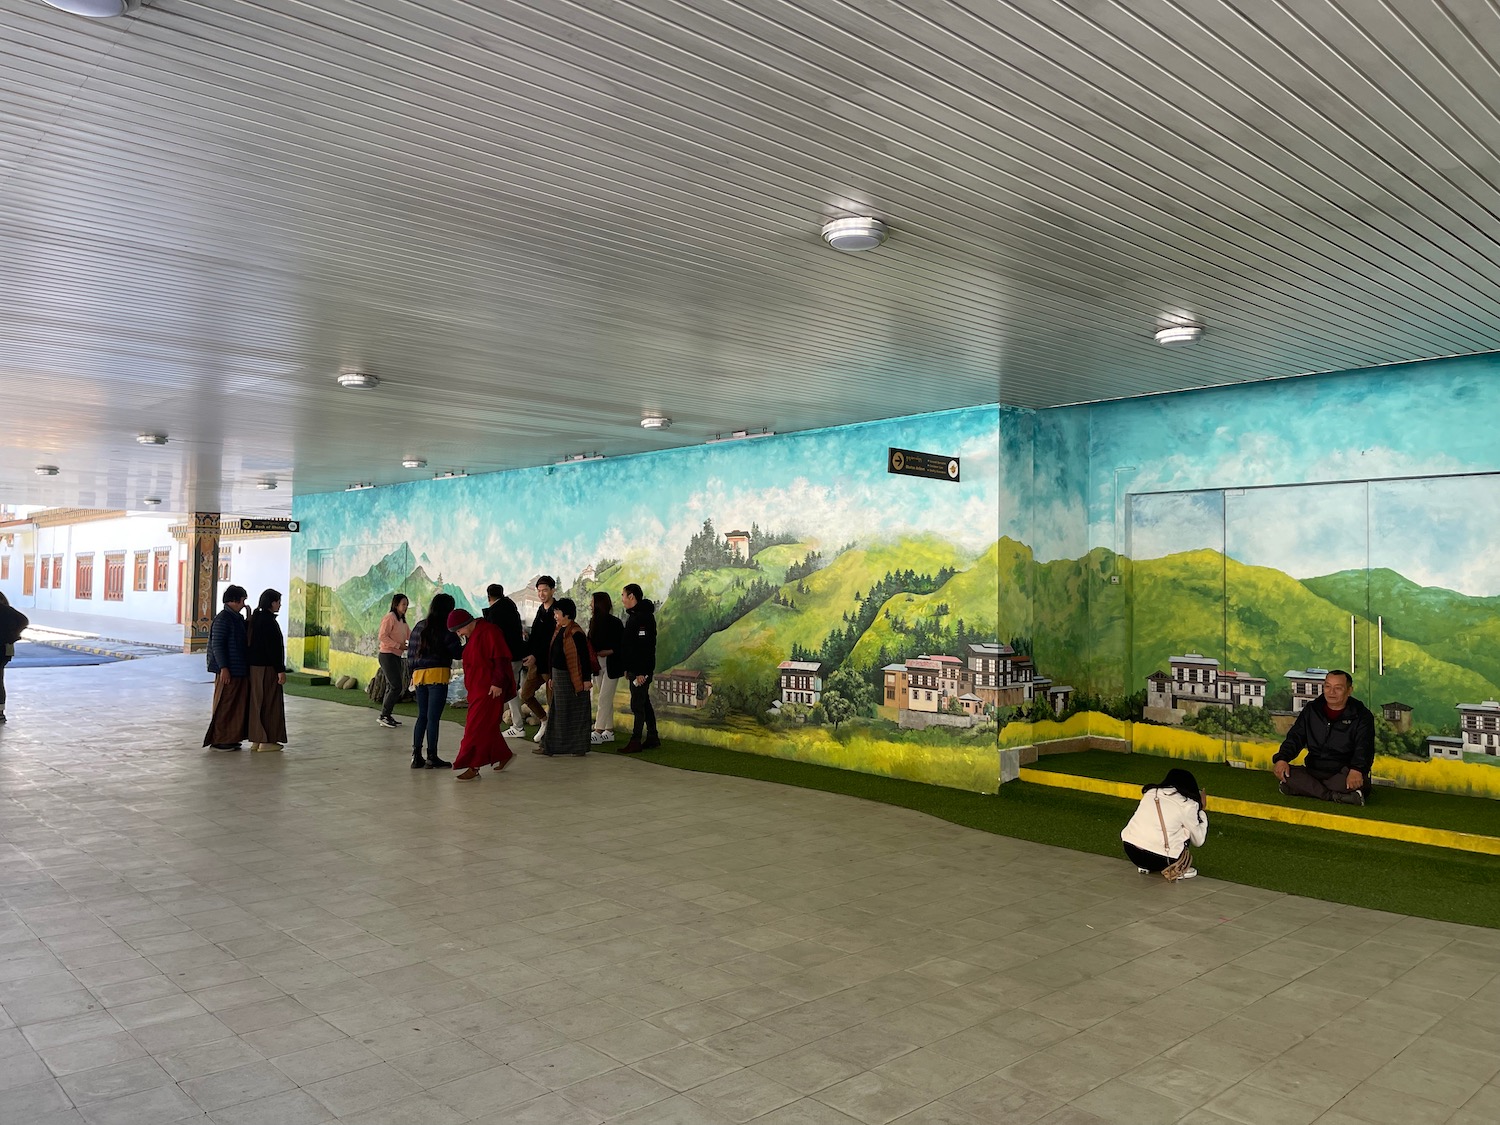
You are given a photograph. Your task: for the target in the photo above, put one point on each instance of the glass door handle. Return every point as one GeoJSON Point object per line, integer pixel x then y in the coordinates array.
{"type": "Point", "coordinates": [1380, 644]}
{"type": "Point", "coordinates": [1351, 645]}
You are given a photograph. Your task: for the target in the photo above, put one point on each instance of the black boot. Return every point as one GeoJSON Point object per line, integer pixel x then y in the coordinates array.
{"type": "Point", "coordinates": [651, 742]}
{"type": "Point", "coordinates": [416, 760]}
{"type": "Point", "coordinates": [436, 763]}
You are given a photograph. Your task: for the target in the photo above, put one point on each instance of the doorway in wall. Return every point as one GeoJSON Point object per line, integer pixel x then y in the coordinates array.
{"type": "Point", "coordinates": [318, 623]}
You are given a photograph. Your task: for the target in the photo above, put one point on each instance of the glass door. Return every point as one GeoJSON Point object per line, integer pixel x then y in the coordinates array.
{"type": "Point", "coordinates": [1175, 541]}
{"type": "Point", "coordinates": [1435, 601]}
{"type": "Point", "coordinates": [318, 624]}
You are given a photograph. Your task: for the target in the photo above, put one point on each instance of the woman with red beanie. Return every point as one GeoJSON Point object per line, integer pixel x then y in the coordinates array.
{"type": "Point", "coordinates": [489, 683]}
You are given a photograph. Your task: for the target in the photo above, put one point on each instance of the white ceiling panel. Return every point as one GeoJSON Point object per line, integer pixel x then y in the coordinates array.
{"type": "Point", "coordinates": [537, 220]}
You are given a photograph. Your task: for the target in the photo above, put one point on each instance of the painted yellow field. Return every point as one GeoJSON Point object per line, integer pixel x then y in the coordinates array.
{"type": "Point", "coordinates": [970, 768]}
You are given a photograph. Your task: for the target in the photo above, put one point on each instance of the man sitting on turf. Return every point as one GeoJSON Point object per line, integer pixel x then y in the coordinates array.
{"type": "Point", "coordinates": [1338, 733]}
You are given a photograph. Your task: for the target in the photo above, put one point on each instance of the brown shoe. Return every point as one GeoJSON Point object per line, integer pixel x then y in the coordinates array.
{"type": "Point", "coordinates": [631, 747]}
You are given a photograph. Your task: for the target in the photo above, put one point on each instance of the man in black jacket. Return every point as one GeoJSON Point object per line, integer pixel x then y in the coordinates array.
{"type": "Point", "coordinates": [1338, 733]}
{"type": "Point", "coordinates": [638, 658]}
{"type": "Point", "coordinates": [538, 658]}
{"type": "Point", "coordinates": [503, 613]}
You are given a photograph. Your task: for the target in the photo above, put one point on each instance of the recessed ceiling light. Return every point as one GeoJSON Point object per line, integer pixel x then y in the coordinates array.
{"type": "Point", "coordinates": [96, 9]}
{"type": "Point", "coordinates": [45, 470]}
{"type": "Point", "coordinates": [451, 474]}
{"type": "Point", "coordinates": [413, 463]}
{"type": "Point", "coordinates": [1173, 334]}
{"type": "Point", "coordinates": [267, 485]}
{"type": "Point", "coordinates": [151, 501]}
{"type": "Point", "coordinates": [854, 234]}
{"type": "Point", "coordinates": [574, 458]}
{"type": "Point", "coordinates": [656, 422]}
{"type": "Point", "coordinates": [151, 439]}
{"type": "Point", "coordinates": [741, 435]}
{"type": "Point", "coordinates": [360, 487]}
{"type": "Point", "coordinates": [358, 381]}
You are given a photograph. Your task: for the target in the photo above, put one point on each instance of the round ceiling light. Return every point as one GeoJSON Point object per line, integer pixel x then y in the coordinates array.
{"type": "Point", "coordinates": [151, 501]}
{"type": "Point", "coordinates": [151, 439]}
{"type": "Point", "coordinates": [95, 9]}
{"type": "Point", "coordinates": [267, 485]}
{"type": "Point", "coordinates": [358, 381]}
{"type": "Point", "coordinates": [656, 422]}
{"type": "Point", "coordinates": [45, 470]}
{"type": "Point", "coordinates": [854, 235]}
{"type": "Point", "coordinates": [413, 463]}
{"type": "Point", "coordinates": [1173, 334]}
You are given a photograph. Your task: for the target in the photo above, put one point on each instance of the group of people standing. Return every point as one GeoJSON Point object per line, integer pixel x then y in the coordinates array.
{"type": "Point", "coordinates": [508, 670]}
{"type": "Point", "coordinates": [248, 662]}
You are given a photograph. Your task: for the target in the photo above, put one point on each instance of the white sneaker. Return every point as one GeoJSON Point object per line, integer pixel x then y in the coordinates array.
{"type": "Point", "coordinates": [515, 732]}
{"type": "Point", "coordinates": [1143, 870]}
{"type": "Point", "coordinates": [596, 737]}
{"type": "Point", "coordinates": [606, 736]}
{"type": "Point", "coordinates": [541, 732]}
{"type": "Point", "coordinates": [1190, 873]}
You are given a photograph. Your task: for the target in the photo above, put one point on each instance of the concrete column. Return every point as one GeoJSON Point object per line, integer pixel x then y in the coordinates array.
{"type": "Point", "coordinates": [202, 581]}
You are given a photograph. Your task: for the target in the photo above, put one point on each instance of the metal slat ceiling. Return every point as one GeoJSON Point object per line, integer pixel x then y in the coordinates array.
{"type": "Point", "coordinates": [537, 220]}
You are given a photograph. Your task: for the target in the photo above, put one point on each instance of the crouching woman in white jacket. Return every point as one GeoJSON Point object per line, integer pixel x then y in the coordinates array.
{"type": "Point", "coordinates": [1170, 817]}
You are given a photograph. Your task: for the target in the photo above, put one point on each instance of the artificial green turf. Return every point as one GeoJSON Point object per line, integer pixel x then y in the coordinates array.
{"type": "Point", "coordinates": [1398, 806]}
{"type": "Point", "coordinates": [1362, 871]}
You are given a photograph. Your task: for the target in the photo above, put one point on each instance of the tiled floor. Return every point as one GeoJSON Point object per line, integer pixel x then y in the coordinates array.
{"type": "Point", "coordinates": [327, 935]}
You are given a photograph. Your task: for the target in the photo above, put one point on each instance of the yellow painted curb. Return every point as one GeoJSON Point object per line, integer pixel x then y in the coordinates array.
{"type": "Point", "coordinates": [1355, 826]}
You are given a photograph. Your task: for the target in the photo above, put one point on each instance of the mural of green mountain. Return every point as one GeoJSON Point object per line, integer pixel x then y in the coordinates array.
{"type": "Point", "coordinates": [1270, 623]}
{"type": "Point", "coordinates": [1078, 630]}
{"type": "Point", "coordinates": [970, 595]}
{"type": "Point", "coordinates": [1457, 628]}
{"type": "Point", "coordinates": [360, 602]}
{"type": "Point", "coordinates": [703, 601]}
{"type": "Point", "coordinates": [765, 635]}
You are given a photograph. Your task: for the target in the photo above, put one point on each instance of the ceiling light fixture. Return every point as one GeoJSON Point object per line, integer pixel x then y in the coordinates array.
{"type": "Point", "coordinates": [360, 487]}
{"type": "Point", "coordinates": [96, 9]}
{"type": "Point", "coordinates": [266, 485]}
{"type": "Point", "coordinates": [741, 435]}
{"type": "Point", "coordinates": [854, 234]}
{"type": "Point", "coordinates": [1172, 334]}
{"type": "Point", "coordinates": [451, 474]}
{"type": "Point", "coordinates": [656, 422]}
{"type": "Point", "coordinates": [151, 439]}
{"type": "Point", "coordinates": [358, 381]}
{"type": "Point", "coordinates": [413, 463]}
{"type": "Point", "coordinates": [151, 501]}
{"type": "Point", "coordinates": [45, 470]}
{"type": "Point", "coordinates": [574, 458]}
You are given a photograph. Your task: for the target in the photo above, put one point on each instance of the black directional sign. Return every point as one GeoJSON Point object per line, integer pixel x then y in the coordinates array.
{"type": "Point", "coordinates": [268, 525]}
{"type": "Point", "coordinates": [911, 463]}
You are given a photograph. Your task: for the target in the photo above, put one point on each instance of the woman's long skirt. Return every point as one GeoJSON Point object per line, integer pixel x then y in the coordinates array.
{"type": "Point", "coordinates": [231, 717]}
{"type": "Point", "coordinates": [267, 706]}
{"type": "Point", "coordinates": [570, 722]}
{"type": "Point", "coordinates": [483, 744]}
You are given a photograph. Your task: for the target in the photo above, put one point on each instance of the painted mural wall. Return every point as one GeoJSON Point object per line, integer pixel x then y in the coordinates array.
{"type": "Point", "coordinates": [1263, 534]}
{"type": "Point", "coordinates": [811, 604]}
{"type": "Point", "coordinates": [815, 607]}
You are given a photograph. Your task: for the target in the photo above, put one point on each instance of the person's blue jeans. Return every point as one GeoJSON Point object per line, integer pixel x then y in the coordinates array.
{"type": "Point", "coordinates": [431, 699]}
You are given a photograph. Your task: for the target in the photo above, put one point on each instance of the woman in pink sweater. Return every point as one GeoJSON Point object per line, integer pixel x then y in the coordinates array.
{"type": "Point", "coordinates": [394, 633]}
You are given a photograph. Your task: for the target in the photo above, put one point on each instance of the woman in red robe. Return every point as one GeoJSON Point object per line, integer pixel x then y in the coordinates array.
{"type": "Point", "coordinates": [489, 683]}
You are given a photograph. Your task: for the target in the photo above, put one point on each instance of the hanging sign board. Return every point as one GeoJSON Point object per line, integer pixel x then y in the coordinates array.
{"type": "Point", "coordinates": [268, 525]}
{"type": "Point", "coordinates": [911, 463]}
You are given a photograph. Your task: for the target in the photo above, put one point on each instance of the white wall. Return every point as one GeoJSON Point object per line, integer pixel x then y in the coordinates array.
{"type": "Point", "coordinates": [254, 564]}
{"type": "Point", "coordinates": [128, 534]}
{"type": "Point", "coordinates": [21, 540]}
{"type": "Point", "coordinates": [259, 564]}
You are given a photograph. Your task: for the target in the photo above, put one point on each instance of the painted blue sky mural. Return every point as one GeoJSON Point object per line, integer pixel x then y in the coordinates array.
{"type": "Point", "coordinates": [829, 487]}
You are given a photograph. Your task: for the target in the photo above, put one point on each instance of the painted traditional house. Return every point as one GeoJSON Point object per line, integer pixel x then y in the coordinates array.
{"type": "Point", "coordinates": [1000, 678]}
{"type": "Point", "coordinates": [801, 681]}
{"type": "Point", "coordinates": [933, 680]}
{"type": "Point", "coordinates": [1397, 714]}
{"type": "Point", "coordinates": [1056, 695]}
{"type": "Point", "coordinates": [1441, 747]}
{"type": "Point", "coordinates": [686, 687]}
{"type": "Point", "coordinates": [1195, 680]}
{"type": "Point", "coordinates": [739, 544]}
{"type": "Point", "coordinates": [893, 691]}
{"type": "Point", "coordinates": [1479, 727]}
{"type": "Point", "coordinates": [1306, 686]}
